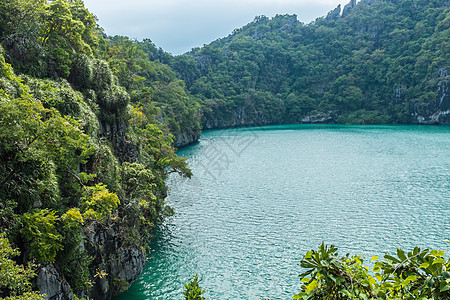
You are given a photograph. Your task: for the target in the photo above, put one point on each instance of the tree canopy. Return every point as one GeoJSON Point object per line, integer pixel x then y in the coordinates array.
{"type": "Point", "coordinates": [377, 63]}
{"type": "Point", "coordinates": [89, 124]}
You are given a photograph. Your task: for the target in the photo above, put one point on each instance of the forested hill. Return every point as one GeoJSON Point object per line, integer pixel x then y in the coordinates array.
{"type": "Point", "coordinates": [87, 129]}
{"type": "Point", "coordinates": [378, 61]}
{"type": "Point", "coordinates": [88, 122]}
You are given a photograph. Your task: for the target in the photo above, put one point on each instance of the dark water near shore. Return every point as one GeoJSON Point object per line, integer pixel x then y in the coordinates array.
{"type": "Point", "coordinates": [261, 197]}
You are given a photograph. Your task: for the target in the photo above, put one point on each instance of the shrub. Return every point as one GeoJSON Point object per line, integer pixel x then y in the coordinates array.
{"type": "Point", "coordinates": [40, 232]}
{"type": "Point", "coordinates": [193, 290]}
{"type": "Point", "coordinates": [16, 278]}
{"type": "Point", "coordinates": [99, 203]}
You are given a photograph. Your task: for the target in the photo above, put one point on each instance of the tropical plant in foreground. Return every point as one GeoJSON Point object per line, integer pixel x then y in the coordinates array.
{"type": "Point", "coordinates": [419, 274]}
{"type": "Point", "coordinates": [193, 290]}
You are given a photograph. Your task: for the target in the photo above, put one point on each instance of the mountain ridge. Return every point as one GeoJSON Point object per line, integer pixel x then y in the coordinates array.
{"type": "Point", "coordinates": [356, 65]}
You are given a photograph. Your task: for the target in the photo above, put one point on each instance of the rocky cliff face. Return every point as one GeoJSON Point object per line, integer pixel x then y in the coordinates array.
{"type": "Point", "coordinates": [186, 138]}
{"type": "Point", "coordinates": [122, 264]}
{"type": "Point", "coordinates": [240, 117]}
{"type": "Point", "coordinates": [115, 264]}
{"type": "Point", "coordinates": [114, 267]}
{"type": "Point", "coordinates": [335, 13]}
{"type": "Point", "coordinates": [50, 282]}
{"type": "Point", "coordinates": [116, 133]}
{"type": "Point", "coordinates": [348, 7]}
{"type": "Point", "coordinates": [438, 111]}
{"type": "Point", "coordinates": [321, 118]}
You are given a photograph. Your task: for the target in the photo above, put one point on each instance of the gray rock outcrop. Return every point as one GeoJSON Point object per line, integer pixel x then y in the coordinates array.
{"type": "Point", "coordinates": [121, 263]}
{"type": "Point", "coordinates": [185, 139]}
{"type": "Point", "coordinates": [115, 131]}
{"type": "Point", "coordinates": [335, 13]}
{"type": "Point", "coordinates": [320, 118]}
{"type": "Point", "coordinates": [348, 7]}
{"type": "Point", "coordinates": [51, 283]}
{"type": "Point", "coordinates": [114, 268]}
{"type": "Point", "coordinates": [438, 111]}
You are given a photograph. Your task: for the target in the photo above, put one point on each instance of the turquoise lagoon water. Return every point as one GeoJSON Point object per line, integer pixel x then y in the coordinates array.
{"type": "Point", "coordinates": [261, 197]}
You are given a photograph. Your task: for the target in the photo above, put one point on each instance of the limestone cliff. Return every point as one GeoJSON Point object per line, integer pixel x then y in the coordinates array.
{"type": "Point", "coordinates": [335, 13]}
{"type": "Point", "coordinates": [121, 263]}
{"type": "Point", "coordinates": [115, 263]}
{"type": "Point", "coordinates": [438, 111]}
{"type": "Point", "coordinates": [348, 7]}
{"type": "Point", "coordinates": [114, 267]}
{"type": "Point", "coordinates": [186, 138]}
{"type": "Point", "coordinates": [246, 115]}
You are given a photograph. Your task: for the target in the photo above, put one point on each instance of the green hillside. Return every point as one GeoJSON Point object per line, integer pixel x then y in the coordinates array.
{"type": "Point", "coordinates": [376, 62]}
{"type": "Point", "coordinates": [87, 129]}
{"type": "Point", "coordinates": [89, 123]}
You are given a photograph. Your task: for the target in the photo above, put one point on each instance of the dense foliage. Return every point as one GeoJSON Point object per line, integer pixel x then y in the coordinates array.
{"type": "Point", "coordinates": [88, 125]}
{"type": "Point", "coordinates": [378, 62]}
{"type": "Point", "coordinates": [86, 141]}
{"type": "Point", "coordinates": [13, 276]}
{"type": "Point", "coordinates": [419, 274]}
{"type": "Point", "coordinates": [152, 85]}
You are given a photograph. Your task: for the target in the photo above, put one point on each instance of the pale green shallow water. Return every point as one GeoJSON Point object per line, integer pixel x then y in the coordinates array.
{"type": "Point", "coordinates": [261, 197]}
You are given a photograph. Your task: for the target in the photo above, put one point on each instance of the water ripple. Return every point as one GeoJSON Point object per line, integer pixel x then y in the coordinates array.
{"type": "Point", "coordinates": [244, 223]}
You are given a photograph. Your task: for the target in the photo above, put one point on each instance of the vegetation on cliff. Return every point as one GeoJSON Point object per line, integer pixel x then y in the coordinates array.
{"type": "Point", "coordinates": [88, 123]}
{"type": "Point", "coordinates": [87, 128]}
{"type": "Point", "coordinates": [377, 62]}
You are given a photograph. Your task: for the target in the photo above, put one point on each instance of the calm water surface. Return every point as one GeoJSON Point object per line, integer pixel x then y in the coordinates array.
{"type": "Point", "coordinates": [261, 197]}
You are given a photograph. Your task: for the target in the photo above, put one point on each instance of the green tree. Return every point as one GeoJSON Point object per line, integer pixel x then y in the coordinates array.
{"type": "Point", "coordinates": [20, 29]}
{"type": "Point", "coordinates": [99, 203]}
{"type": "Point", "coordinates": [13, 277]}
{"type": "Point", "coordinates": [32, 134]}
{"type": "Point", "coordinates": [158, 144]}
{"type": "Point", "coordinates": [193, 291]}
{"type": "Point", "coordinates": [40, 232]}
{"type": "Point", "coordinates": [64, 33]}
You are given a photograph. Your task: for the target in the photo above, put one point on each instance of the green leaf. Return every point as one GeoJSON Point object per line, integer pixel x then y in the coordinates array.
{"type": "Point", "coordinates": [308, 254]}
{"type": "Point", "coordinates": [440, 260]}
{"type": "Point", "coordinates": [339, 280]}
{"type": "Point", "coordinates": [311, 286]}
{"type": "Point", "coordinates": [346, 292]}
{"type": "Point", "coordinates": [437, 253]}
{"type": "Point", "coordinates": [391, 258]}
{"type": "Point", "coordinates": [444, 286]}
{"type": "Point", "coordinates": [401, 254]}
{"type": "Point", "coordinates": [408, 280]}
{"type": "Point", "coordinates": [374, 258]}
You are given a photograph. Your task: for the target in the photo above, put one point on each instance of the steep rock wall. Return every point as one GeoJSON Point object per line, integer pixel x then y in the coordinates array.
{"type": "Point", "coordinates": [115, 266]}
{"type": "Point", "coordinates": [438, 111]}
{"type": "Point", "coordinates": [122, 264]}
{"type": "Point", "coordinates": [186, 138]}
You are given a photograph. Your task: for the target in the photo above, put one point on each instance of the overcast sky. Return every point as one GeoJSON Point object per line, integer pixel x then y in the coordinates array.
{"type": "Point", "coordinates": [179, 25]}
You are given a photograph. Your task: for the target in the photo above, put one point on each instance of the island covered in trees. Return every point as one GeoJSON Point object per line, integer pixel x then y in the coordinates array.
{"type": "Point", "coordinates": [89, 126]}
